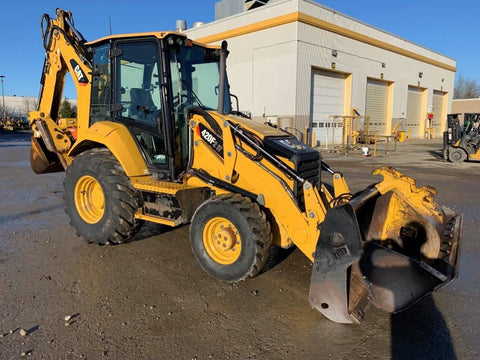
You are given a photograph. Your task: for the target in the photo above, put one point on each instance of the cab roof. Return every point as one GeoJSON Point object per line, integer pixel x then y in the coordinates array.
{"type": "Point", "coordinates": [156, 34]}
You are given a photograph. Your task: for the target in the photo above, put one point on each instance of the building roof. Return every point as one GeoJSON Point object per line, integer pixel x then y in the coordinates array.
{"type": "Point", "coordinates": [280, 12]}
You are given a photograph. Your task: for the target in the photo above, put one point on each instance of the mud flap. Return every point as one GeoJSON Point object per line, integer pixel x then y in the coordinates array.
{"type": "Point", "coordinates": [42, 160]}
{"type": "Point", "coordinates": [338, 248]}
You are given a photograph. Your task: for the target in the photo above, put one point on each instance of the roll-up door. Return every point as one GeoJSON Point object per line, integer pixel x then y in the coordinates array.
{"type": "Point", "coordinates": [414, 116]}
{"type": "Point", "coordinates": [328, 98]}
{"type": "Point", "coordinates": [376, 107]}
{"type": "Point", "coordinates": [438, 103]}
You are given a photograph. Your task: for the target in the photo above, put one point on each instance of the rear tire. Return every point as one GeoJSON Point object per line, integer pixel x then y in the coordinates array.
{"type": "Point", "coordinates": [100, 199]}
{"type": "Point", "coordinates": [230, 237]}
{"type": "Point", "coordinates": [457, 155]}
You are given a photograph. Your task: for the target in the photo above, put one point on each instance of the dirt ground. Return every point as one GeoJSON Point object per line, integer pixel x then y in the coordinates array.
{"type": "Point", "coordinates": [149, 299]}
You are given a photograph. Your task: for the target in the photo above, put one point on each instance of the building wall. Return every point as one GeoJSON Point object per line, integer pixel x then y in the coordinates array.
{"type": "Point", "coordinates": [19, 106]}
{"type": "Point", "coordinates": [261, 64]}
{"type": "Point", "coordinates": [275, 48]}
{"type": "Point", "coordinates": [461, 106]}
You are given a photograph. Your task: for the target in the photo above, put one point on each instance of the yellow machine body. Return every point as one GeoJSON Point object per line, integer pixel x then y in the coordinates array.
{"type": "Point", "coordinates": [243, 185]}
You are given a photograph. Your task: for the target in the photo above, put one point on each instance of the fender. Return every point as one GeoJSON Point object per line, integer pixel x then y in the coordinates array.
{"type": "Point", "coordinates": [118, 139]}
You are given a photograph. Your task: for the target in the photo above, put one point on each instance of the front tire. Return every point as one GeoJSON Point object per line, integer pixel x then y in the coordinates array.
{"type": "Point", "coordinates": [457, 155]}
{"type": "Point", "coordinates": [230, 237]}
{"type": "Point", "coordinates": [99, 198]}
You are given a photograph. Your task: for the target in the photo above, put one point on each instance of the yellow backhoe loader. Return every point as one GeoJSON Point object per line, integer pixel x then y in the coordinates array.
{"type": "Point", "coordinates": [157, 139]}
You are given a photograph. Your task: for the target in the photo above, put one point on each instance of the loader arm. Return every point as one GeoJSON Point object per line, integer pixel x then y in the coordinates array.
{"type": "Point", "coordinates": [64, 52]}
{"type": "Point", "coordinates": [267, 179]}
{"type": "Point", "coordinates": [389, 245]}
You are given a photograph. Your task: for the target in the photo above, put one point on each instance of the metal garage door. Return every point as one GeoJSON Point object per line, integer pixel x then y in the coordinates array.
{"type": "Point", "coordinates": [413, 119]}
{"type": "Point", "coordinates": [328, 98]}
{"type": "Point", "coordinates": [377, 105]}
{"type": "Point", "coordinates": [439, 115]}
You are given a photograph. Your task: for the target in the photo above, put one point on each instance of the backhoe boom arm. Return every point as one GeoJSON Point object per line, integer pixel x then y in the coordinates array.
{"type": "Point", "coordinates": [64, 52]}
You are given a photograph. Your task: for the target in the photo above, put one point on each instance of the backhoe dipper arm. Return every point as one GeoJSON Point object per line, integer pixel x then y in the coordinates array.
{"type": "Point", "coordinates": [64, 52]}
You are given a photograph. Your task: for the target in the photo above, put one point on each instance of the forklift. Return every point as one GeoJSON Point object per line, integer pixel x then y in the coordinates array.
{"type": "Point", "coordinates": [462, 142]}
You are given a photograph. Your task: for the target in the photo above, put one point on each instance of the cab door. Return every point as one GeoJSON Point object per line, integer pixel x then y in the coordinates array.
{"type": "Point", "coordinates": [138, 102]}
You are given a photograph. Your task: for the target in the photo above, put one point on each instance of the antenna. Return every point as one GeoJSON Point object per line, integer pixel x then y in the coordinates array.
{"type": "Point", "coordinates": [110, 24]}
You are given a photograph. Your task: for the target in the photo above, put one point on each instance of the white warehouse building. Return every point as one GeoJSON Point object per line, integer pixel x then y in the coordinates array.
{"type": "Point", "coordinates": [299, 60]}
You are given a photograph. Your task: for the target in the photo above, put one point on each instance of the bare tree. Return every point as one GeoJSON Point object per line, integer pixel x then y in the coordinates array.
{"type": "Point", "coordinates": [466, 88]}
{"type": "Point", "coordinates": [29, 104]}
{"type": "Point", "coordinates": [8, 112]}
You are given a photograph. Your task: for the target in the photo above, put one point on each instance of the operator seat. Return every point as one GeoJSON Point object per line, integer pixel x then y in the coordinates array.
{"type": "Point", "coordinates": [142, 107]}
{"type": "Point", "coordinates": [144, 111]}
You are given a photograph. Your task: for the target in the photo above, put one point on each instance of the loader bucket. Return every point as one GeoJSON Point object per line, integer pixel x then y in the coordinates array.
{"type": "Point", "coordinates": [42, 160]}
{"type": "Point", "coordinates": [390, 246]}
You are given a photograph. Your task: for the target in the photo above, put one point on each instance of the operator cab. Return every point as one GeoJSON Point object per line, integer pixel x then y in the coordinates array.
{"type": "Point", "coordinates": [150, 84]}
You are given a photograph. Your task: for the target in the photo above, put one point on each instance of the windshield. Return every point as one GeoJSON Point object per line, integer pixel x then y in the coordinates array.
{"type": "Point", "coordinates": [195, 77]}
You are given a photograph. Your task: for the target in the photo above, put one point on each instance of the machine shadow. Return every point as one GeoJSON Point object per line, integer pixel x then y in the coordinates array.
{"type": "Point", "coordinates": [421, 332]}
{"type": "Point", "coordinates": [20, 215]}
{"type": "Point", "coordinates": [437, 154]}
{"type": "Point", "coordinates": [277, 256]}
{"type": "Point", "coordinates": [150, 229]}
{"type": "Point", "coordinates": [397, 280]}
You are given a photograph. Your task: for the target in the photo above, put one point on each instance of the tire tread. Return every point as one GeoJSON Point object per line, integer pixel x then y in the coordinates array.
{"type": "Point", "coordinates": [122, 225]}
{"type": "Point", "coordinates": [259, 224]}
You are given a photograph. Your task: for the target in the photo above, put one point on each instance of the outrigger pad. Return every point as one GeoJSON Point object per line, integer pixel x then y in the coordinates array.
{"type": "Point", "coordinates": [337, 249]}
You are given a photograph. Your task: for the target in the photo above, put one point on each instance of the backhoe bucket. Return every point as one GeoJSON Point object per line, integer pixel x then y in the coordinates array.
{"type": "Point", "coordinates": [390, 246]}
{"type": "Point", "coordinates": [42, 160]}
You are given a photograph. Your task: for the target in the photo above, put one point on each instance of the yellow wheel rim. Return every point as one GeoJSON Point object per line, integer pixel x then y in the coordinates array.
{"type": "Point", "coordinates": [222, 241]}
{"type": "Point", "coordinates": [89, 199]}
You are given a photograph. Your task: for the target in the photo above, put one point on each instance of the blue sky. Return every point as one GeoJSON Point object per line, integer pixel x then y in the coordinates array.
{"type": "Point", "coordinates": [450, 28]}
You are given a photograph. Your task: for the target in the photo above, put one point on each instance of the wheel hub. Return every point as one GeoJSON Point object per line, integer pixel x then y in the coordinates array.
{"type": "Point", "coordinates": [222, 241]}
{"type": "Point", "coordinates": [89, 199]}
{"type": "Point", "coordinates": [225, 239]}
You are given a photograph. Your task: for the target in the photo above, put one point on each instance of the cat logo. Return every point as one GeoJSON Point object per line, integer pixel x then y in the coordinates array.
{"type": "Point", "coordinates": [81, 77]}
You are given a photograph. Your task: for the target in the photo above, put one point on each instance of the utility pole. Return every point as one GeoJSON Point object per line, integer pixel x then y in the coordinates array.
{"type": "Point", "coordinates": [3, 96]}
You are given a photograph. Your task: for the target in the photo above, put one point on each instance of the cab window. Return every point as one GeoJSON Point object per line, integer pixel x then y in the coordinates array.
{"type": "Point", "coordinates": [101, 85]}
{"type": "Point", "coordinates": [138, 93]}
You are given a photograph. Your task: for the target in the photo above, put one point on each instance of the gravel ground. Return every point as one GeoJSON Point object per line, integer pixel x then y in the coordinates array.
{"type": "Point", "coordinates": [149, 299]}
